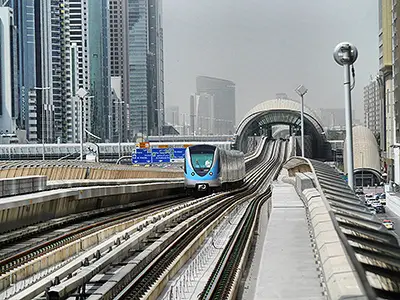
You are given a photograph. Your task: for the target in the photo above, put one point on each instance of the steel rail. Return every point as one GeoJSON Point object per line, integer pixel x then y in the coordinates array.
{"type": "Point", "coordinates": [220, 283]}
{"type": "Point", "coordinates": [143, 282]}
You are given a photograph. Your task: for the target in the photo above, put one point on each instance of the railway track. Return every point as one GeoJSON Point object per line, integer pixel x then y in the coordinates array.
{"type": "Point", "coordinates": [146, 284]}
{"type": "Point", "coordinates": [19, 254]}
{"type": "Point", "coordinates": [23, 239]}
{"type": "Point", "coordinates": [186, 223]}
{"type": "Point", "coordinates": [225, 278]}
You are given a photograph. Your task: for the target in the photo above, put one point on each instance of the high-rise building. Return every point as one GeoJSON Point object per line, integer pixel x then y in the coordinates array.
{"type": "Point", "coordinates": [146, 70]}
{"type": "Point", "coordinates": [119, 62]}
{"type": "Point", "coordinates": [172, 115]}
{"type": "Point", "coordinates": [78, 19]}
{"type": "Point", "coordinates": [203, 121]}
{"type": "Point", "coordinates": [385, 78]}
{"type": "Point", "coordinates": [206, 121]}
{"type": "Point", "coordinates": [8, 67]}
{"type": "Point", "coordinates": [333, 118]}
{"type": "Point", "coordinates": [24, 19]}
{"type": "Point", "coordinates": [53, 82]}
{"type": "Point", "coordinates": [396, 67]}
{"type": "Point", "coordinates": [372, 107]}
{"type": "Point", "coordinates": [100, 79]}
{"type": "Point", "coordinates": [224, 103]}
{"type": "Point", "coordinates": [156, 67]}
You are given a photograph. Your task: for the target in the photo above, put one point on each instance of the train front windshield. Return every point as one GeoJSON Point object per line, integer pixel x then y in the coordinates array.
{"type": "Point", "coordinates": [202, 161]}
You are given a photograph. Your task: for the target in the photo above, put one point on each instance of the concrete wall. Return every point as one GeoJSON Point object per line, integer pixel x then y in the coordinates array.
{"type": "Point", "coordinates": [60, 171]}
{"type": "Point", "coordinates": [22, 185]}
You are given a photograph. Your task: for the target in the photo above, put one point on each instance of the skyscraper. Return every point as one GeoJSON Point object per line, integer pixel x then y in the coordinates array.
{"type": "Point", "coordinates": [372, 107]}
{"type": "Point", "coordinates": [156, 67]}
{"type": "Point", "coordinates": [100, 80]}
{"type": "Point", "coordinates": [52, 68]}
{"type": "Point", "coordinates": [24, 13]}
{"type": "Point", "coordinates": [78, 18]}
{"type": "Point", "coordinates": [386, 78]}
{"type": "Point", "coordinates": [224, 103]}
{"type": "Point", "coordinates": [146, 70]}
{"type": "Point", "coordinates": [172, 115]}
{"type": "Point", "coordinates": [8, 79]}
{"type": "Point", "coordinates": [396, 67]}
{"type": "Point", "coordinates": [119, 63]}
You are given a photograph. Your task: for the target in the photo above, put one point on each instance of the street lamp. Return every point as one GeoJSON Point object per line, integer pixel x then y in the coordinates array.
{"type": "Point", "coordinates": [345, 54]}
{"type": "Point", "coordinates": [362, 170]}
{"type": "Point", "coordinates": [301, 90]}
{"type": "Point", "coordinates": [81, 93]}
{"type": "Point", "coordinates": [119, 125]}
{"type": "Point", "coordinates": [42, 88]}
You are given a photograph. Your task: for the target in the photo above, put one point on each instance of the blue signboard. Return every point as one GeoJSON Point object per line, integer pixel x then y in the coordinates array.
{"type": "Point", "coordinates": [141, 156]}
{"type": "Point", "coordinates": [157, 155]}
{"type": "Point", "coordinates": [178, 153]}
{"type": "Point", "coordinates": [161, 155]}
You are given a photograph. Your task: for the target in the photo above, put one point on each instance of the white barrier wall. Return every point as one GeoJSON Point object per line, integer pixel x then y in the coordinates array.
{"type": "Point", "coordinates": [393, 203]}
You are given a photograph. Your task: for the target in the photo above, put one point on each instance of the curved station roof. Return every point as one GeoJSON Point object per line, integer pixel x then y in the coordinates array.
{"type": "Point", "coordinates": [282, 112]}
{"type": "Point", "coordinates": [365, 153]}
{"type": "Point", "coordinates": [365, 149]}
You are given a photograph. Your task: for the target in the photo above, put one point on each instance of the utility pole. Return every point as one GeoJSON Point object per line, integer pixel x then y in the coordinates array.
{"type": "Point", "coordinates": [345, 54]}
{"type": "Point", "coordinates": [301, 91]}
{"type": "Point", "coordinates": [43, 117]}
{"type": "Point", "coordinates": [81, 93]}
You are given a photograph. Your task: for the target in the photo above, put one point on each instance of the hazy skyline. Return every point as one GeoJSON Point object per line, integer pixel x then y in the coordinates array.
{"type": "Point", "coordinates": [268, 47]}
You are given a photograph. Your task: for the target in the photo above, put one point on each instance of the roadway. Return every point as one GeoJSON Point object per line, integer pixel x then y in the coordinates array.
{"type": "Point", "coordinates": [393, 217]}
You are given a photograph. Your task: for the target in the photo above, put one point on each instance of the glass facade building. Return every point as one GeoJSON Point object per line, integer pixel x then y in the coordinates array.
{"type": "Point", "coordinates": [8, 71]}
{"type": "Point", "coordinates": [25, 22]}
{"type": "Point", "coordinates": [99, 66]}
{"type": "Point", "coordinates": [224, 103]}
{"type": "Point", "coordinates": [146, 73]}
{"type": "Point", "coordinates": [119, 65]}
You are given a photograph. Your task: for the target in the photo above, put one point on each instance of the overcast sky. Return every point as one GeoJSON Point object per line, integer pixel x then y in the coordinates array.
{"type": "Point", "coordinates": [268, 47]}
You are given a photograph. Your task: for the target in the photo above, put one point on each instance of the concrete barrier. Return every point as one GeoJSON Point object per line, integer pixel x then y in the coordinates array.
{"type": "Point", "coordinates": [22, 185]}
{"type": "Point", "coordinates": [341, 280]}
{"type": "Point", "coordinates": [304, 181]}
{"type": "Point", "coordinates": [64, 170]}
{"type": "Point", "coordinates": [62, 184]}
{"type": "Point", "coordinates": [24, 210]}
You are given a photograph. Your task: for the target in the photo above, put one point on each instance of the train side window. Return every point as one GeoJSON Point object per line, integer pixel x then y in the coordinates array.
{"type": "Point", "coordinates": [184, 165]}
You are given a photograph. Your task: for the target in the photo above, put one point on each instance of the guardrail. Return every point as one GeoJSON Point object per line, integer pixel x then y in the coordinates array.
{"type": "Point", "coordinates": [64, 170]}
{"type": "Point", "coordinates": [371, 251]}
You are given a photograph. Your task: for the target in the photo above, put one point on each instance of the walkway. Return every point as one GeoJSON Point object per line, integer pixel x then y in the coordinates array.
{"type": "Point", "coordinates": [287, 268]}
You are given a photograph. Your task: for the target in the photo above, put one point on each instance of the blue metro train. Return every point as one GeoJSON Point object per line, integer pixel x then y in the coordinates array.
{"type": "Point", "coordinates": [208, 169]}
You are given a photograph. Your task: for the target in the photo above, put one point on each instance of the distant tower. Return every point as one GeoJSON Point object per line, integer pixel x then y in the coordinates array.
{"type": "Point", "coordinates": [146, 66]}
{"type": "Point", "coordinates": [119, 59]}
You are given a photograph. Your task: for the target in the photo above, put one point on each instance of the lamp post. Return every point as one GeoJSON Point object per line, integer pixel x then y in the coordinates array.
{"type": "Point", "coordinates": [345, 54]}
{"type": "Point", "coordinates": [362, 170]}
{"type": "Point", "coordinates": [301, 90]}
{"type": "Point", "coordinates": [81, 93]}
{"type": "Point", "coordinates": [42, 88]}
{"type": "Point", "coordinates": [119, 125]}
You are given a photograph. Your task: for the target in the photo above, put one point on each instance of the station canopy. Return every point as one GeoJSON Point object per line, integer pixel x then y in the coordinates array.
{"type": "Point", "coordinates": [261, 118]}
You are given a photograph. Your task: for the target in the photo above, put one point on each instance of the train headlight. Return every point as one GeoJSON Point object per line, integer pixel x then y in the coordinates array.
{"type": "Point", "coordinates": [192, 173]}
{"type": "Point", "coordinates": [211, 173]}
